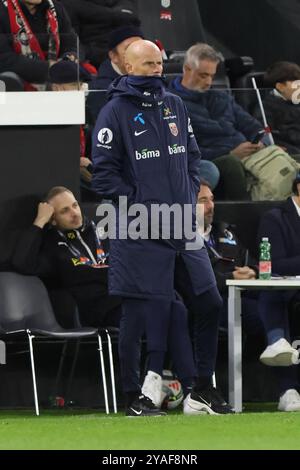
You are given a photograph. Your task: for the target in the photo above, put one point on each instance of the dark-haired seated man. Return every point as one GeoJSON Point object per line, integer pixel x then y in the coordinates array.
{"type": "Point", "coordinates": [64, 249]}
{"type": "Point", "coordinates": [282, 227]}
{"type": "Point", "coordinates": [114, 66]}
{"type": "Point", "coordinates": [282, 105]}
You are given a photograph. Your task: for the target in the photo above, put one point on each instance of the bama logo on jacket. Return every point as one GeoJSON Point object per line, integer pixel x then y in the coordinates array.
{"type": "Point", "coordinates": [145, 153]}
{"type": "Point", "coordinates": [176, 149]}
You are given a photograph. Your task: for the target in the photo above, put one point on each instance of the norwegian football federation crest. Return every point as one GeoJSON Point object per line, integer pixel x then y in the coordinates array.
{"type": "Point", "coordinates": [173, 128]}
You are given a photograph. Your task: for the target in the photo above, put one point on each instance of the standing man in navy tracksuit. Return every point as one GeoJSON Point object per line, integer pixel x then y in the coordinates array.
{"type": "Point", "coordinates": [144, 149]}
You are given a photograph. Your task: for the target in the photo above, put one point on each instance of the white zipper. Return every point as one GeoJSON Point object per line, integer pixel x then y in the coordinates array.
{"type": "Point", "coordinates": [86, 247]}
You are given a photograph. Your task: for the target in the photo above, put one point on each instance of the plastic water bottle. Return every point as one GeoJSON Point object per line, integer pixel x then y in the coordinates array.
{"type": "Point", "coordinates": [265, 264]}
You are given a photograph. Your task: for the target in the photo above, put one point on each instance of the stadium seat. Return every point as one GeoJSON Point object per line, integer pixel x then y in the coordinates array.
{"type": "Point", "coordinates": [237, 67]}
{"type": "Point", "coordinates": [67, 315]}
{"type": "Point", "coordinates": [244, 92]}
{"type": "Point", "coordinates": [96, 99]}
{"type": "Point", "coordinates": [2, 351]}
{"type": "Point", "coordinates": [244, 218]}
{"type": "Point", "coordinates": [25, 308]}
{"type": "Point", "coordinates": [221, 79]}
{"type": "Point", "coordinates": [165, 21]}
{"type": "Point", "coordinates": [11, 82]}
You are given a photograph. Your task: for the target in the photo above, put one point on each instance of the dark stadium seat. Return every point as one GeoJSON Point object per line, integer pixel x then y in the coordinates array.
{"type": "Point", "coordinates": [11, 82]}
{"type": "Point", "coordinates": [237, 67]}
{"type": "Point", "coordinates": [221, 79]}
{"type": "Point", "coordinates": [95, 101]}
{"type": "Point", "coordinates": [244, 92]}
{"type": "Point", "coordinates": [245, 217]}
{"type": "Point", "coordinates": [176, 31]}
{"type": "Point", "coordinates": [25, 308]}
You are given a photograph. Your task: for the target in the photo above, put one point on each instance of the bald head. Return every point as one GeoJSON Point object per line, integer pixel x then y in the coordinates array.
{"type": "Point", "coordinates": [143, 58]}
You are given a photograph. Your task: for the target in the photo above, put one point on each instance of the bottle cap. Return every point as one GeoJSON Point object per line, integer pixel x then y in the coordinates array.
{"type": "Point", "coordinates": [265, 239]}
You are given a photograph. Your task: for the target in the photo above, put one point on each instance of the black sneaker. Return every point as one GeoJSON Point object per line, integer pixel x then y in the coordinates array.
{"type": "Point", "coordinates": [143, 406]}
{"type": "Point", "coordinates": [208, 401]}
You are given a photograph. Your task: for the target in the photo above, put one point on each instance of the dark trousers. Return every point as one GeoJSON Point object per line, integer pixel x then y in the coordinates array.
{"type": "Point", "coordinates": [165, 326]}
{"type": "Point", "coordinates": [251, 322]}
{"type": "Point", "coordinates": [232, 184]}
{"type": "Point", "coordinates": [205, 312]}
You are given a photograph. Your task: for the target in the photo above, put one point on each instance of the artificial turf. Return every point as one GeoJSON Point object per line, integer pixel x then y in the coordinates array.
{"type": "Point", "coordinates": [73, 429]}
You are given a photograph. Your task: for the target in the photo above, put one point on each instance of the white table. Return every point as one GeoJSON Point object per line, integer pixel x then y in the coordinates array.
{"type": "Point", "coordinates": [235, 330]}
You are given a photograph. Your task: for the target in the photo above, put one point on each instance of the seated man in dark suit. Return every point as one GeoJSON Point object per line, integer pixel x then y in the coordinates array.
{"type": "Point", "coordinates": [229, 260]}
{"type": "Point", "coordinates": [282, 227]}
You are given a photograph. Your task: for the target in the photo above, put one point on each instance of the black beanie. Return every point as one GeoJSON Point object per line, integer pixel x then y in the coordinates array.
{"type": "Point", "coordinates": [120, 34]}
{"type": "Point", "coordinates": [66, 71]}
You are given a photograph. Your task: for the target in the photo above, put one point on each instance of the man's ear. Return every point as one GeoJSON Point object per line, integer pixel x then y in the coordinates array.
{"type": "Point", "coordinates": [128, 68]}
{"type": "Point", "coordinates": [112, 55]}
{"type": "Point", "coordinates": [279, 86]}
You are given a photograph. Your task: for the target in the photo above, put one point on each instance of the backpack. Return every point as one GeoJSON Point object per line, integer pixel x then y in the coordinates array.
{"type": "Point", "coordinates": [270, 174]}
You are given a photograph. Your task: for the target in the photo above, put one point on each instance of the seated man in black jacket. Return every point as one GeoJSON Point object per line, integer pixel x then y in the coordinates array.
{"type": "Point", "coordinates": [65, 250]}
{"type": "Point", "coordinates": [114, 66]}
{"type": "Point", "coordinates": [93, 20]}
{"type": "Point", "coordinates": [282, 105]}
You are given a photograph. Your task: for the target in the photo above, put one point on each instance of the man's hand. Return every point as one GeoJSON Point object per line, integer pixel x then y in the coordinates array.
{"type": "Point", "coordinates": [71, 57]}
{"type": "Point", "coordinates": [261, 145]}
{"type": "Point", "coordinates": [245, 149]}
{"type": "Point", "coordinates": [44, 214]}
{"type": "Point", "coordinates": [243, 273]}
{"type": "Point", "coordinates": [84, 162]}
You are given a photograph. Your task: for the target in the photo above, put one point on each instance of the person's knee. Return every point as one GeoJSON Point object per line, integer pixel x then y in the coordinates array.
{"type": "Point", "coordinates": [230, 164]}
{"type": "Point", "coordinates": [209, 172]}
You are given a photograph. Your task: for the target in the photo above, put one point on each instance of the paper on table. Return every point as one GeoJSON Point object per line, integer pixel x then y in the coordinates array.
{"type": "Point", "coordinates": [291, 278]}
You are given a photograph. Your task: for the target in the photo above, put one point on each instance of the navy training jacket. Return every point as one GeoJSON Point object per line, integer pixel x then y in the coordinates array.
{"type": "Point", "coordinates": [144, 148]}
